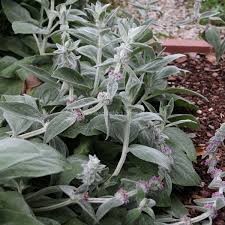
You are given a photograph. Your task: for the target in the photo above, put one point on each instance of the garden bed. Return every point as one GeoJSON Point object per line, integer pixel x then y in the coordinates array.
{"type": "Point", "coordinates": [208, 79]}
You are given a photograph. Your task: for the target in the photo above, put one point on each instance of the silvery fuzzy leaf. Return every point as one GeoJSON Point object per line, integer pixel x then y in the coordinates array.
{"type": "Point", "coordinates": [15, 12]}
{"type": "Point", "coordinates": [69, 191]}
{"type": "Point", "coordinates": [181, 141]}
{"type": "Point", "coordinates": [41, 74]}
{"type": "Point", "coordinates": [132, 216]}
{"type": "Point", "coordinates": [59, 124]}
{"type": "Point", "coordinates": [88, 209]}
{"type": "Point", "coordinates": [150, 155]}
{"type": "Point", "coordinates": [20, 27]}
{"type": "Point", "coordinates": [89, 51]}
{"type": "Point", "coordinates": [17, 218]}
{"type": "Point", "coordinates": [48, 221]}
{"type": "Point", "coordinates": [21, 158]}
{"type": "Point", "coordinates": [112, 88]}
{"type": "Point", "coordinates": [123, 32]}
{"type": "Point", "coordinates": [158, 64]}
{"type": "Point", "coordinates": [107, 124]}
{"type": "Point", "coordinates": [87, 35]}
{"type": "Point", "coordinates": [75, 162]}
{"type": "Point", "coordinates": [72, 77]}
{"type": "Point", "coordinates": [107, 206]}
{"type": "Point", "coordinates": [84, 102]}
{"type": "Point", "coordinates": [182, 172]}
{"type": "Point", "coordinates": [70, 2]}
{"type": "Point", "coordinates": [167, 71]}
{"type": "Point", "coordinates": [58, 144]}
{"type": "Point", "coordinates": [17, 125]}
{"type": "Point", "coordinates": [22, 110]}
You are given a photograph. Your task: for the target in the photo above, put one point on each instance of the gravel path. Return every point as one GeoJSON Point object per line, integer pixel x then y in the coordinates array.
{"type": "Point", "coordinates": [173, 11]}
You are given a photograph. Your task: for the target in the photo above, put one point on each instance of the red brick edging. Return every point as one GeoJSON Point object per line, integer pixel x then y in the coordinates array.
{"type": "Point", "coordinates": [186, 46]}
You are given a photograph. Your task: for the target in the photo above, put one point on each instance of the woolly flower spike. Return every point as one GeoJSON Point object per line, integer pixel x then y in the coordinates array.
{"type": "Point", "coordinates": [91, 171]}
{"type": "Point", "coordinates": [216, 140]}
{"type": "Point", "coordinates": [155, 183]}
{"type": "Point", "coordinates": [217, 195]}
{"type": "Point", "coordinates": [115, 75]}
{"type": "Point", "coordinates": [144, 185]}
{"type": "Point", "coordinates": [122, 53]}
{"type": "Point", "coordinates": [215, 172]}
{"type": "Point", "coordinates": [211, 208]}
{"type": "Point", "coordinates": [79, 114]}
{"type": "Point", "coordinates": [104, 98]}
{"type": "Point", "coordinates": [166, 150]}
{"type": "Point", "coordinates": [122, 195]}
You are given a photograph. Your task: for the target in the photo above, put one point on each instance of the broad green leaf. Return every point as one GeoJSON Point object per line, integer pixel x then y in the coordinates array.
{"type": "Point", "coordinates": [70, 2]}
{"type": "Point", "coordinates": [71, 76]}
{"type": "Point", "coordinates": [182, 142]}
{"type": "Point", "coordinates": [41, 74]}
{"type": "Point", "coordinates": [75, 221]}
{"type": "Point", "coordinates": [182, 172]}
{"type": "Point", "coordinates": [75, 162]}
{"type": "Point", "coordinates": [22, 110]}
{"type": "Point", "coordinates": [16, 218]}
{"type": "Point", "coordinates": [21, 158]}
{"type": "Point", "coordinates": [6, 61]}
{"type": "Point", "coordinates": [167, 71]}
{"type": "Point", "coordinates": [20, 27]}
{"type": "Point", "coordinates": [177, 117]}
{"type": "Point", "coordinates": [10, 86]}
{"type": "Point", "coordinates": [213, 37]}
{"type": "Point", "coordinates": [132, 216]}
{"type": "Point", "coordinates": [59, 124]}
{"type": "Point", "coordinates": [150, 155]}
{"type": "Point", "coordinates": [11, 200]}
{"type": "Point", "coordinates": [9, 71]}
{"type": "Point", "coordinates": [18, 125]}
{"type": "Point", "coordinates": [89, 51]}
{"type": "Point", "coordinates": [107, 206]}
{"type": "Point", "coordinates": [47, 221]}
{"type": "Point", "coordinates": [177, 208]}
{"type": "Point", "coordinates": [15, 12]}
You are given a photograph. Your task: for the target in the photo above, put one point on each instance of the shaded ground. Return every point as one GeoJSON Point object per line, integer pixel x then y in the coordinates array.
{"type": "Point", "coordinates": [208, 79]}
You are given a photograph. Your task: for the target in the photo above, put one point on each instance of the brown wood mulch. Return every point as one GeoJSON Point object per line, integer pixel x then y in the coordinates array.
{"type": "Point", "coordinates": [208, 78]}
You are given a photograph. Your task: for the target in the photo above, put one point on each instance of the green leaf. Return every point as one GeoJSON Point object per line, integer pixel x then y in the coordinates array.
{"type": "Point", "coordinates": [11, 200]}
{"type": "Point", "coordinates": [213, 37]}
{"type": "Point", "coordinates": [59, 124]}
{"type": "Point", "coordinates": [9, 71]}
{"type": "Point", "coordinates": [82, 103]}
{"type": "Point", "coordinates": [132, 216]}
{"type": "Point", "coordinates": [75, 163]}
{"type": "Point", "coordinates": [41, 74]}
{"type": "Point", "coordinates": [21, 158]}
{"type": "Point", "coordinates": [74, 221]}
{"type": "Point", "coordinates": [71, 76]}
{"type": "Point", "coordinates": [158, 64]}
{"type": "Point", "coordinates": [179, 91]}
{"type": "Point", "coordinates": [194, 124]}
{"type": "Point", "coordinates": [15, 218]}
{"type": "Point", "coordinates": [20, 27]}
{"type": "Point", "coordinates": [22, 110]}
{"type": "Point", "coordinates": [15, 12]}
{"type": "Point", "coordinates": [182, 142]}
{"type": "Point", "coordinates": [18, 125]}
{"type": "Point", "coordinates": [10, 86]}
{"type": "Point", "coordinates": [183, 172]}
{"type": "Point", "coordinates": [150, 155]}
{"type": "Point", "coordinates": [89, 51]}
{"type": "Point", "coordinates": [6, 61]}
{"type": "Point", "coordinates": [47, 221]}
{"type": "Point", "coordinates": [167, 71]}
{"type": "Point", "coordinates": [107, 206]}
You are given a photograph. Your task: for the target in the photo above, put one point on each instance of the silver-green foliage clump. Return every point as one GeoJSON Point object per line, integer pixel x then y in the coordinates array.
{"type": "Point", "coordinates": [98, 141]}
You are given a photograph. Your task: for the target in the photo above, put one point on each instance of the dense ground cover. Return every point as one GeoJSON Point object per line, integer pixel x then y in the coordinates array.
{"type": "Point", "coordinates": [98, 135]}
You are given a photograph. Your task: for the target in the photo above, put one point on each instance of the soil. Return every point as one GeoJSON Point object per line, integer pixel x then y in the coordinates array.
{"type": "Point", "coordinates": [207, 78]}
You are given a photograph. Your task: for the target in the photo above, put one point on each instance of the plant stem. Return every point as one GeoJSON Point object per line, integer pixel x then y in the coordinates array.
{"type": "Point", "coordinates": [125, 149]}
{"type": "Point", "coordinates": [99, 61]}
{"type": "Point", "coordinates": [34, 133]}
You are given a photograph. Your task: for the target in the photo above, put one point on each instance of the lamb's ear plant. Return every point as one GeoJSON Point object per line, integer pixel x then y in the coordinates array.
{"type": "Point", "coordinates": [97, 142]}
{"type": "Point", "coordinates": [212, 36]}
